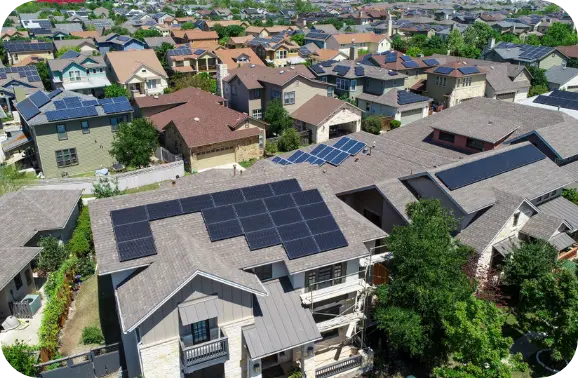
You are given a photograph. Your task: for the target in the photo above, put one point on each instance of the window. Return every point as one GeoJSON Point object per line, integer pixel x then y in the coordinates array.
{"type": "Point", "coordinates": [61, 131]}
{"type": "Point", "coordinates": [447, 137]}
{"type": "Point", "coordinates": [18, 281]}
{"type": "Point", "coordinates": [257, 113]}
{"type": "Point", "coordinates": [200, 331]}
{"type": "Point", "coordinates": [275, 95]}
{"type": "Point", "coordinates": [151, 84]}
{"type": "Point", "coordinates": [353, 85]}
{"type": "Point", "coordinates": [114, 122]}
{"type": "Point", "coordinates": [66, 158]}
{"type": "Point", "coordinates": [342, 84]}
{"type": "Point", "coordinates": [516, 218]}
{"type": "Point", "coordinates": [289, 98]}
{"type": "Point", "coordinates": [261, 141]}
{"type": "Point", "coordinates": [441, 81]}
{"type": "Point", "coordinates": [234, 90]}
{"type": "Point", "coordinates": [143, 70]}
{"type": "Point", "coordinates": [475, 144]}
{"type": "Point", "coordinates": [28, 276]}
{"type": "Point", "coordinates": [101, 70]}
{"type": "Point", "coordinates": [264, 272]}
{"type": "Point", "coordinates": [329, 91]}
{"type": "Point", "coordinates": [84, 127]}
{"type": "Point", "coordinates": [281, 54]}
{"type": "Point", "coordinates": [324, 79]}
{"type": "Point", "coordinates": [325, 276]}
{"type": "Point", "coordinates": [74, 75]}
{"type": "Point", "coordinates": [257, 93]}
{"type": "Point", "coordinates": [466, 82]}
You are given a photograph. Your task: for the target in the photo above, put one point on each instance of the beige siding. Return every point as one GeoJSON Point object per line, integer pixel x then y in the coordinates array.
{"type": "Point", "coordinates": [19, 57]}
{"type": "Point", "coordinates": [452, 94]}
{"type": "Point", "coordinates": [550, 61]}
{"type": "Point", "coordinates": [165, 322]}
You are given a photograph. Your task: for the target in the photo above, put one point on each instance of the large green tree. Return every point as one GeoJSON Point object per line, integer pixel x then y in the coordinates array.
{"type": "Point", "coordinates": [116, 90]}
{"type": "Point", "coordinates": [455, 41]}
{"type": "Point", "coordinates": [289, 140]}
{"type": "Point", "coordinates": [44, 73]}
{"type": "Point", "coordinates": [141, 34]}
{"type": "Point", "coordinates": [188, 26]}
{"type": "Point", "coordinates": [529, 261]}
{"type": "Point", "coordinates": [52, 255]}
{"type": "Point", "coordinates": [478, 35]}
{"type": "Point", "coordinates": [162, 53]}
{"type": "Point", "coordinates": [134, 143]}
{"type": "Point", "coordinates": [277, 117]}
{"type": "Point", "coordinates": [21, 357]}
{"type": "Point", "coordinates": [429, 279]}
{"type": "Point", "coordinates": [202, 81]}
{"type": "Point", "coordinates": [559, 34]}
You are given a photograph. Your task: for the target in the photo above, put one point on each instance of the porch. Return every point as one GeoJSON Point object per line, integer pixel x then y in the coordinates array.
{"type": "Point", "coordinates": [337, 361]}
{"type": "Point", "coordinates": [349, 285]}
{"type": "Point", "coordinates": [200, 356]}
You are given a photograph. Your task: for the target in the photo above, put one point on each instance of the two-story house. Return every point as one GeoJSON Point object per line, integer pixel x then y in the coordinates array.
{"type": "Point", "coordinates": [542, 57]}
{"type": "Point", "coordinates": [453, 83]}
{"type": "Point", "coordinates": [195, 36]}
{"type": "Point", "coordinates": [207, 25]}
{"type": "Point", "coordinates": [369, 42]}
{"type": "Point", "coordinates": [261, 276]}
{"type": "Point", "coordinates": [413, 68]}
{"type": "Point", "coordinates": [278, 51]}
{"type": "Point", "coordinates": [318, 38]}
{"type": "Point", "coordinates": [116, 42]}
{"type": "Point", "coordinates": [238, 57]}
{"type": "Point", "coordinates": [25, 80]}
{"type": "Point", "coordinates": [72, 133]}
{"type": "Point", "coordinates": [19, 52]}
{"type": "Point", "coordinates": [269, 31]}
{"type": "Point", "coordinates": [139, 71]}
{"type": "Point", "coordinates": [184, 59]}
{"type": "Point", "coordinates": [10, 33]}
{"type": "Point", "coordinates": [251, 87]}
{"type": "Point", "coordinates": [79, 73]}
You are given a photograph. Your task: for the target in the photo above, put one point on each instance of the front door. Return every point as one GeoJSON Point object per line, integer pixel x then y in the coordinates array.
{"type": "Point", "coordinates": [200, 331]}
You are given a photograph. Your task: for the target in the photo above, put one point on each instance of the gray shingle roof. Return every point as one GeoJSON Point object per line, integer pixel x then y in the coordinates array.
{"type": "Point", "coordinates": [390, 99]}
{"type": "Point", "coordinates": [281, 322]}
{"type": "Point", "coordinates": [561, 75]}
{"type": "Point", "coordinates": [542, 226]}
{"type": "Point", "coordinates": [67, 28]}
{"type": "Point", "coordinates": [153, 42]}
{"type": "Point", "coordinates": [397, 194]}
{"type": "Point", "coordinates": [560, 207]}
{"type": "Point", "coordinates": [562, 241]}
{"type": "Point", "coordinates": [561, 138]}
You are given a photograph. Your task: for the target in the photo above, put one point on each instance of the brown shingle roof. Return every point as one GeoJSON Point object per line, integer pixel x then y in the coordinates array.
{"type": "Point", "coordinates": [85, 34]}
{"type": "Point", "coordinates": [177, 98]}
{"type": "Point", "coordinates": [359, 38]}
{"type": "Point", "coordinates": [195, 35]}
{"type": "Point", "coordinates": [569, 51]}
{"type": "Point", "coordinates": [318, 109]}
{"type": "Point", "coordinates": [327, 54]}
{"type": "Point", "coordinates": [251, 75]}
{"type": "Point", "coordinates": [227, 57]}
{"type": "Point", "coordinates": [126, 63]}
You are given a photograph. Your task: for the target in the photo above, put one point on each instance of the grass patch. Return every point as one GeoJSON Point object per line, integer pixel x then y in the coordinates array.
{"type": "Point", "coordinates": [247, 163]}
{"type": "Point", "coordinates": [84, 174]}
{"type": "Point", "coordinates": [144, 188]}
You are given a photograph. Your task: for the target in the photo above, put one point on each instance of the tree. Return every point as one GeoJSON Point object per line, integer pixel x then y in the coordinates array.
{"type": "Point", "coordinates": [289, 140]}
{"type": "Point", "coordinates": [549, 304]}
{"type": "Point", "coordinates": [474, 335]}
{"type": "Point", "coordinates": [277, 117]}
{"type": "Point", "coordinates": [510, 38]}
{"type": "Point", "coordinates": [141, 34]}
{"type": "Point", "coordinates": [470, 52]}
{"type": "Point", "coordinates": [434, 43]}
{"type": "Point", "coordinates": [52, 255]}
{"type": "Point", "coordinates": [8, 23]}
{"type": "Point", "coordinates": [559, 35]}
{"type": "Point", "coordinates": [571, 195]}
{"type": "Point", "coordinates": [533, 40]}
{"type": "Point", "coordinates": [180, 13]}
{"type": "Point", "coordinates": [298, 38]}
{"type": "Point", "coordinates": [104, 188]}
{"type": "Point", "coordinates": [21, 357]}
{"type": "Point", "coordinates": [417, 40]}
{"type": "Point", "coordinates": [44, 73]}
{"type": "Point", "coordinates": [371, 124]}
{"type": "Point", "coordinates": [479, 34]}
{"type": "Point", "coordinates": [116, 90]}
{"type": "Point", "coordinates": [398, 44]}
{"type": "Point", "coordinates": [63, 50]}
{"type": "Point", "coordinates": [116, 30]}
{"type": "Point", "coordinates": [528, 261]}
{"type": "Point", "coordinates": [455, 41]}
{"type": "Point", "coordinates": [413, 51]}
{"type": "Point", "coordinates": [188, 26]}
{"type": "Point", "coordinates": [162, 53]}
{"type": "Point", "coordinates": [539, 82]}
{"type": "Point", "coordinates": [202, 81]}
{"type": "Point", "coordinates": [429, 280]}
{"type": "Point", "coordinates": [134, 143]}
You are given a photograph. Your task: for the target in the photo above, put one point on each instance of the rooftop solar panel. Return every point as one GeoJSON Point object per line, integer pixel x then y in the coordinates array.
{"type": "Point", "coordinates": [27, 108]}
{"type": "Point", "coordinates": [132, 231]}
{"type": "Point", "coordinates": [224, 230]}
{"type": "Point", "coordinates": [295, 156]}
{"type": "Point", "coordinates": [314, 160]}
{"type": "Point", "coordinates": [482, 169]}
{"type": "Point", "coordinates": [219, 214]}
{"type": "Point", "coordinates": [406, 58]}
{"type": "Point", "coordinates": [325, 152]}
{"type": "Point", "coordinates": [257, 191]}
{"type": "Point", "coordinates": [339, 158]}
{"type": "Point", "coordinates": [431, 62]}
{"type": "Point", "coordinates": [279, 202]}
{"type": "Point", "coordinates": [359, 71]}
{"type": "Point", "coordinates": [392, 73]}
{"type": "Point", "coordinates": [390, 58]}
{"type": "Point", "coordinates": [54, 93]}
{"type": "Point", "coordinates": [564, 94]}
{"type": "Point", "coordinates": [196, 203]}
{"type": "Point", "coordinates": [410, 64]}
{"type": "Point", "coordinates": [286, 216]}
{"type": "Point", "coordinates": [330, 240]}
{"type": "Point", "coordinates": [444, 70]}
{"type": "Point", "coordinates": [128, 215]}
{"type": "Point", "coordinates": [256, 222]}
{"type": "Point", "coordinates": [136, 249]}
{"type": "Point", "coordinates": [301, 248]}
{"type": "Point", "coordinates": [341, 70]}
{"type": "Point", "coordinates": [262, 239]}
{"type": "Point", "coordinates": [318, 149]}
{"type": "Point", "coordinates": [307, 197]}
{"type": "Point", "coordinates": [302, 158]}
{"type": "Point", "coordinates": [164, 210]}
{"type": "Point", "coordinates": [285, 187]}
{"type": "Point", "coordinates": [341, 142]}
{"type": "Point", "coordinates": [469, 70]}
{"type": "Point", "coordinates": [315, 210]}
{"type": "Point", "coordinates": [317, 69]}
{"type": "Point", "coordinates": [293, 231]}
{"type": "Point", "coordinates": [247, 209]}
{"type": "Point", "coordinates": [322, 225]}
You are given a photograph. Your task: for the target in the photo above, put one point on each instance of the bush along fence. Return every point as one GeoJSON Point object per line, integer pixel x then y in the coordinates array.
{"type": "Point", "coordinates": [58, 289]}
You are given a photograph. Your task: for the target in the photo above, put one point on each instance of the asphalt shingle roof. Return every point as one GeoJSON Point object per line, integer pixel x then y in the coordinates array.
{"type": "Point", "coordinates": [561, 75]}
{"type": "Point", "coordinates": [560, 207]}
{"type": "Point", "coordinates": [542, 226]}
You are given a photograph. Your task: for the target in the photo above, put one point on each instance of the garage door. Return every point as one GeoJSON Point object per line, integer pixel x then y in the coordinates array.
{"type": "Point", "coordinates": [215, 158]}
{"type": "Point", "coordinates": [411, 115]}
{"type": "Point", "coordinates": [572, 88]}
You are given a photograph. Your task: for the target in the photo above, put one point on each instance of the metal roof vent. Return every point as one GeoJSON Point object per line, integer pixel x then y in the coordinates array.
{"type": "Point", "coordinates": [197, 119]}
{"type": "Point", "coordinates": [252, 66]}
{"type": "Point", "coordinates": [490, 123]}
{"type": "Point", "coordinates": [281, 72]}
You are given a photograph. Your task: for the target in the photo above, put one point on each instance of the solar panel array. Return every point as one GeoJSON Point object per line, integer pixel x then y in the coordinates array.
{"type": "Point", "coordinates": [406, 58]}
{"type": "Point", "coordinates": [563, 99]}
{"type": "Point", "coordinates": [72, 108]}
{"type": "Point", "coordinates": [390, 57]}
{"type": "Point", "coordinates": [27, 108]}
{"type": "Point", "coordinates": [479, 170]}
{"type": "Point", "coordinates": [327, 63]}
{"type": "Point", "coordinates": [359, 71]}
{"type": "Point", "coordinates": [405, 98]}
{"type": "Point", "coordinates": [317, 68]}
{"type": "Point", "coordinates": [267, 215]}
{"type": "Point", "coordinates": [530, 52]}
{"type": "Point", "coordinates": [28, 72]}
{"type": "Point", "coordinates": [323, 153]}
{"type": "Point", "coordinates": [180, 51]}
{"type": "Point", "coordinates": [410, 64]}
{"type": "Point", "coordinates": [18, 46]}
{"type": "Point", "coordinates": [341, 70]}
{"type": "Point", "coordinates": [115, 105]}
{"type": "Point", "coordinates": [392, 73]}
{"type": "Point", "coordinates": [444, 70]}
{"type": "Point", "coordinates": [323, 36]}
{"type": "Point", "coordinates": [469, 70]}
{"type": "Point", "coordinates": [431, 62]}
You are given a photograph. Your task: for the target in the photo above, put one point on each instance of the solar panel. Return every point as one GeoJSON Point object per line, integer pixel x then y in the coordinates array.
{"type": "Point", "coordinates": [55, 92]}
{"type": "Point", "coordinates": [307, 197]}
{"type": "Point", "coordinates": [444, 70]}
{"type": "Point", "coordinates": [295, 156]}
{"type": "Point", "coordinates": [410, 64]}
{"type": "Point", "coordinates": [199, 51]}
{"type": "Point", "coordinates": [279, 202]}
{"type": "Point", "coordinates": [330, 156]}
{"type": "Point", "coordinates": [90, 103]}
{"type": "Point", "coordinates": [479, 170]}
{"type": "Point", "coordinates": [338, 159]}
{"type": "Point", "coordinates": [315, 210]}
{"type": "Point", "coordinates": [391, 58]}
{"type": "Point", "coordinates": [119, 100]}
{"type": "Point", "coordinates": [257, 191]}
{"type": "Point", "coordinates": [39, 99]}
{"type": "Point", "coordinates": [224, 230]}
{"type": "Point", "coordinates": [164, 210]}
{"type": "Point", "coordinates": [564, 94]}
{"type": "Point", "coordinates": [285, 187]}
{"type": "Point", "coordinates": [355, 148]}
{"type": "Point", "coordinates": [132, 231]}
{"type": "Point", "coordinates": [55, 115]}
{"type": "Point", "coordinates": [287, 216]}
{"type": "Point", "coordinates": [325, 152]}
{"type": "Point", "coordinates": [246, 209]}
{"type": "Point", "coordinates": [303, 157]}
{"type": "Point", "coordinates": [314, 160]}
{"type": "Point", "coordinates": [348, 145]}
{"type": "Point", "coordinates": [72, 102]}
{"type": "Point", "coordinates": [27, 108]}
{"type": "Point", "coordinates": [392, 73]}
{"type": "Point", "coordinates": [404, 98]}
{"type": "Point", "coordinates": [293, 231]}
{"type": "Point", "coordinates": [341, 70]}
{"type": "Point", "coordinates": [469, 70]}
{"type": "Point", "coordinates": [331, 240]}
{"type": "Point", "coordinates": [228, 197]}
{"type": "Point", "coordinates": [301, 247]}
{"type": "Point", "coordinates": [318, 149]}
{"type": "Point", "coordinates": [279, 160]}
{"type": "Point", "coordinates": [136, 249]}
{"type": "Point", "coordinates": [406, 58]}
{"type": "Point", "coordinates": [196, 203]}
{"type": "Point", "coordinates": [105, 101]}
{"type": "Point", "coordinates": [359, 71]}
{"type": "Point", "coordinates": [262, 239]}
{"type": "Point", "coordinates": [322, 225]}
{"type": "Point", "coordinates": [219, 214]}
{"type": "Point", "coordinates": [317, 69]}
{"type": "Point", "coordinates": [256, 222]}
{"type": "Point", "coordinates": [128, 215]}
{"type": "Point", "coordinates": [431, 62]}
{"type": "Point", "coordinates": [341, 142]}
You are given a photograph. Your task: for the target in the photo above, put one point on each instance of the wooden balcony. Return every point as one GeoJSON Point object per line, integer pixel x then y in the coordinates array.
{"type": "Point", "coordinates": [203, 355]}
{"type": "Point", "coordinates": [570, 254]}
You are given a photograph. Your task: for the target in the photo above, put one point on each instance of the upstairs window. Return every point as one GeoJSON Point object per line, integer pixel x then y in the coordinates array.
{"type": "Point", "coordinates": [447, 137]}
{"type": "Point", "coordinates": [84, 127]}
{"type": "Point", "coordinates": [475, 144]}
{"type": "Point", "coordinates": [264, 272]}
{"type": "Point", "coordinates": [61, 132]}
{"type": "Point", "coordinates": [289, 98]}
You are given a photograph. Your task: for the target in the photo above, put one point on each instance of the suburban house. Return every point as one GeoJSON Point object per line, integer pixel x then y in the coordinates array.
{"type": "Point", "coordinates": [208, 134]}
{"type": "Point", "coordinates": [317, 55]}
{"type": "Point", "coordinates": [570, 52]}
{"type": "Point", "coordinates": [413, 68]}
{"type": "Point", "coordinates": [87, 46]}
{"type": "Point", "coordinates": [139, 71]}
{"type": "Point", "coordinates": [319, 39]}
{"type": "Point", "coordinates": [116, 42]}
{"type": "Point", "coordinates": [542, 57]}
{"type": "Point", "coordinates": [79, 73]}
{"type": "Point", "coordinates": [39, 213]}
{"type": "Point", "coordinates": [24, 80]}
{"type": "Point", "coordinates": [9, 33]}
{"type": "Point", "coordinates": [71, 133]}
{"type": "Point", "coordinates": [86, 34]}
{"type": "Point", "coordinates": [186, 36]}
{"type": "Point", "coordinates": [563, 78]}
{"type": "Point", "coordinates": [396, 104]}
{"type": "Point", "coordinates": [207, 25]}
{"type": "Point", "coordinates": [373, 43]}
{"type": "Point", "coordinates": [326, 117]}
{"type": "Point", "coordinates": [279, 50]}
{"type": "Point", "coordinates": [238, 57]}
{"type": "Point", "coordinates": [183, 59]}
{"type": "Point", "coordinates": [149, 106]}
{"type": "Point", "coordinates": [250, 88]}
{"type": "Point", "coordinates": [453, 83]}
{"type": "Point", "coordinates": [156, 42]}
{"type": "Point", "coordinates": [269, 31]}
{"type": "Point", "coordinates": [324, 28]}
{"type": "Point", "coordinates": [20, 51]}
{"type": "Point", "coordinates": [351, 79]}
{"type": "Point", "coordinates": [214, 312]}
{"type": "Point", "coordinates": [239, 42]}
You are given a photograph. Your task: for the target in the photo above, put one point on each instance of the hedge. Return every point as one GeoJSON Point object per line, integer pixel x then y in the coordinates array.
{"type": "Point", "coordinates": [81, 242]}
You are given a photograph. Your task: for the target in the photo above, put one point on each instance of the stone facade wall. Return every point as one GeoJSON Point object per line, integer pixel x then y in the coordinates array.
{"type": "Point", "coordinates": [249, 149]}
{"type": "Point", "coordinates": [236, 366]}
{"type": "Point", "coordinates": [161, 359]}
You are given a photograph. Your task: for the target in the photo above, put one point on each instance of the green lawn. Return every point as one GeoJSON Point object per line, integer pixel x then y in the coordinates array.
{"type": "Point", "coordinates": [247, 163]}
{"type": "Point", "coordinates": [144, 188]}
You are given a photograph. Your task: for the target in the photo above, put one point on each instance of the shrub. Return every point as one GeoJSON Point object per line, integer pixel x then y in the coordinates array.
{"type": "Point", "coordinates": [20, 357]}
{"type": "Point", "coordinates": [394, 124]}
{"type": "Point", "coordinates": [85, 266]}
{"type": "Point", "coordinates": [371, 125]}
{"type": "Point", "coordinates": [289, 140]}
{"type": "Point", "coordinates": [92, 335]}
{"type": "Point", "coordinates": [104, 188]}
{"type": "Point", "coordinates": [271, 148]}
{"type": "Point", "coordinates": [52, 255]}
{"type": "Point", "coordinates": [81, 243]}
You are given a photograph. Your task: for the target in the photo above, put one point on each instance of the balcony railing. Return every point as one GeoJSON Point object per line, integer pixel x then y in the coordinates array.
{"type": "Point", "coordinates": [206, 352]}
{"type": "Point", "coordinates": [338, 367]}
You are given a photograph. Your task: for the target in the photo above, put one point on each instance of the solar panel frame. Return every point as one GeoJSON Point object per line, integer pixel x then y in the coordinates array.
{"type": "Point", "coordinates": [301, 247]}
{"type": "Point", "coordinates": [285, 186]}
{"type": "Point", "coordinates": [136, 249]}
{"type": "Point", "coordinates": [286, 216]}
{"type": "Point", "coordinates": [262, 239]}
{"type": "Point", "coordinates": [27, 108]}
{"type": "Point", "coordinates": [224, 230]}
{"type": "Point", "coordinates": [330, 241]}
{"type": "Point", "coordinates": [469, 70]}
{"type": "Point", "coordinates": [250, 208]}
{"type": "Point", "coordinates": [341, 142]}
{"type": "Point", "coordinates": [322, 225]}
{"type": "Point", "coordinates": [256, 222]}
{"type": "Point", "coordinates": [292, 231]}
{"type": "Point", "coordinates": [410, 64]}
{"type": "Point", "coordinates": [219, 214]}
{"type": "Point", "coordinates": [164, 209]}
{"type": "Point", "coordinates": [431, 62]}
{"type": "Point", "coordinates": [128, 215]}
{"type": "Point", "coordinates": [196, 203]}
{"type": "Point", "coordinates": [279, 202]}
{"type": "Point", "coordinates": [444, 70]}
{"type": "Point", "coordinates": [307, 197]}
{"type": "Point", "coordinates": [316, 210]}
{"type": "Point", "coordinates": [339, 159]}
{"type": "Point", "coordinates": [132, 231]}
{"type": "Point", "coordinates": [59, 105]}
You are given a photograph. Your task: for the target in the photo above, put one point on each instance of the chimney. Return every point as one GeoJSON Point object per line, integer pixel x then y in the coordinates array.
{"type": "Point", "coordinates": [389, 25]}
{"type": "Point", "coordinates": [222, 72]}
{"type": "Point", "coordinates": [353, 52]}
{"type": "Point", "coordinates": [492, 43]}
